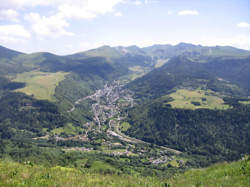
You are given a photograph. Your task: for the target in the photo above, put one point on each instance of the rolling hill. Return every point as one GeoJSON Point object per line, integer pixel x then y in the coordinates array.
{"type": "Point", "coordinates": [228, 76]}
{"type": "Point", "coordinates": [194, 106]}
{"type": "Point", "coordinates": [187, 105]}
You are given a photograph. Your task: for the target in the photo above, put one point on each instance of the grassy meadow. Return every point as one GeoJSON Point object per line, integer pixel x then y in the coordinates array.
{"type": "Point", "coordinates": [16, 174]}
{"type": "Point", "coordinates": [124, 126]}
{"type": "Point", "coordinates": [41, 85]}
{"type": "Point", "coordinates": [195, 99]}
{"type": "Point", "coordinates": [160, 63]}
{"type": "Point", "coordinates": [223, 174]}
{"type": "Point", "coordinates": [245, 102]}
{"type": "Point", "coordinates": [138, 71]}
{"type": "Point", "coordinates": [68, 129]}
{"type": "Point", "coordinates": [28, 174]}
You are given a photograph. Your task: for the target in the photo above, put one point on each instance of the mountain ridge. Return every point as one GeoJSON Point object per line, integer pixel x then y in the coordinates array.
{"type": "Point", "coordinates": [164, 46]}
{"type": "Point", "coordinates": [138, 100]}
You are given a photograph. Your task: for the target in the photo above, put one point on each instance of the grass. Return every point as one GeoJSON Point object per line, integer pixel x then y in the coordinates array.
{"type": "Point", "coordinates": [124, 126]}
{"type": "Point", "coordinates": [41, 85]}
{"type": "Point", "coordinates": [222, 175]}
{"type": "Point", "coordinates": [16, 174]}
{"type": "Point", "coordinates": [195, 99]}
{"type": "Point", "coordinates": [104, 51]}
{"type": "Point", "coordinates": [101, 166]}
{"type": "Point", "coordinates": [245, 102]}
{"type": "Point", "coordinates": [174, 163]}
{"type": "Point", "coordinates": [160, 63]}
{"type": "Point", "coordinates": [138, 71]}
{"type": "Point", "coordinates": [68, 129]}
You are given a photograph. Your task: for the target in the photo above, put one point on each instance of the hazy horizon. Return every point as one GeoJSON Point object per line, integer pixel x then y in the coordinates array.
{"type": "Point", "coordinates": [65, 27]}
{"type": "Point", "coordinates": [66, 54]}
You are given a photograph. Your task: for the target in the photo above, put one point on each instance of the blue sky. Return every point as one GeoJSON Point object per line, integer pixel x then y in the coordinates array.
{"type": "Point", "coordinates": [69, 26]}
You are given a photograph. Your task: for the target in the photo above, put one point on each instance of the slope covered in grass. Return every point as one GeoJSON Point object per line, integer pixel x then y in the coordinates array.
{"type": "Point", "coordinates": [40, 84]}
{"type": "Point", "coordinates": [194, 99]}
{"type": "Point", "coordinates": [27, 174]}
{"type": "Point", "coordinates": [223, 174]}
{"type": "Point", "coordinates": [15, 174]}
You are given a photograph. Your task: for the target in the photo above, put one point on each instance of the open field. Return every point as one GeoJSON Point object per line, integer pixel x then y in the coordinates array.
{"type": "Point", "coordinates": [161, 62]}
{"type": "Point", "coordinates": [195, 99]}
{"type": "Point", "coordinates": [41, 85]}
{"type": "Point", "coordinates": [68, 129]}
{"type": "Point", "coordinates": [138, 71]}
{"type": "Point", "coordinates": [124, 126]}
{"type": "Point", "coordinates": [245, 102]}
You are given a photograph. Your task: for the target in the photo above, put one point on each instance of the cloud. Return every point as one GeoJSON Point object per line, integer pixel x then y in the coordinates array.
{"type": "Point", "coordinates": [118, 14]}
{"type": "Point", "coordinates": [53, 26]}
{"type": "Point", "coordinates": [80, 9]}
{"type": "Point", "coordinates": [137, 2]}
{"type": "Point", "coordinates": [188, 12]}
{"type": "Point", "coordinates": [86, 9]}
{"type": "Point", "coordinates": [243, 25]}
{"type": "Point", "coordinates": [140, 2]}
{"type": "Point", "coordinates": [17, 4]}
{"type": "Point", "coordinates": [8, 14]}
{"type": "Point", "coordinates": [62, 12]}
{"type": "Point", "coordinates": [13, 33]}
{"type": "Point", "coordinates": [170, 12]}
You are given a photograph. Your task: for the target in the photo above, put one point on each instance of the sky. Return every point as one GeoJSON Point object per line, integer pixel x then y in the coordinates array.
{"type": "Point", "coordinates": [69, 26]}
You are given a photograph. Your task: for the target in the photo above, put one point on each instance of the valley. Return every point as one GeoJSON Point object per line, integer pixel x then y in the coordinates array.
{"type": "Point", "coordinates": [108, 106]}
{"type": "Point", "coordinates": [143, 112]}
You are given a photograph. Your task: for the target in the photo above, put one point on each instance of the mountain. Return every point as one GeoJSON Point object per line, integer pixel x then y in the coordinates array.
{"type": "Point", "coordinates": [140, 61]}
{"type": "Point", "coordinates": [127, 110]}
{"type": "Point", "coordinates": [195, 51]}
{"type": "Point", "coordinates": [166, 51]}
{"type": "Point", "coordinates": [61, 79]}
{"type": "Point", "coordinates": [228, 76]}
{"type": "Point", "coordinates": [209, 133]}
{"type": "Point", "coordinates": [8, 53]}
{"type": "Point", "coordinates": [194, 106]}
{"type": "Point", "coordinates": [126, 56]}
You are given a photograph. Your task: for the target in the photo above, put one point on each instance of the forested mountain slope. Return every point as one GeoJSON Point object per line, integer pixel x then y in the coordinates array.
{"type": "Point", "coordinates": [65, 109]}
{"type": "Point", "coordinates": [194, 106]}
{"type": "Point", "coordinates": [212, 135]}
{"type": "Point", "coordinates": [229, 76]}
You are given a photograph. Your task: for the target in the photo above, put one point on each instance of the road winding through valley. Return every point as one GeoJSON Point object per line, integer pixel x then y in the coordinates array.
{"type": "Point", "coordinates": [107, 106]}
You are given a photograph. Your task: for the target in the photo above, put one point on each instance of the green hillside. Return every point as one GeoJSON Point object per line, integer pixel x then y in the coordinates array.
{"type": "Point", "coordinates": [40, 84]}
{"type": "Point", "coordinates": [222, 174]}
{"type": "Point", "coordinates": [194, 107]}
{"type": "Point", "coordinates": [110, 114]}
{"type": "Point", "coordinates": [6, 53]}
{"type": "Point", "coordinates": [195, 99]}
{"type": "Point", "coordinates": [229, 77]}
{"type": "Point", "coordinates": [29, 174]}
{"type": "Point", "coordinates": [14, 174]}
{"type": "Point", "coordinates": [104, 51]}
{"type": "Point", "coordinates": [212, 135]}
{"type": "Point", "coordinates": [195, 51]}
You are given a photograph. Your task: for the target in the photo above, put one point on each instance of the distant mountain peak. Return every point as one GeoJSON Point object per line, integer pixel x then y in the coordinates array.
{"type": "Point", "coordinates": [8, 53]}
{"type": "Point", "coordinates": [183, 44]}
